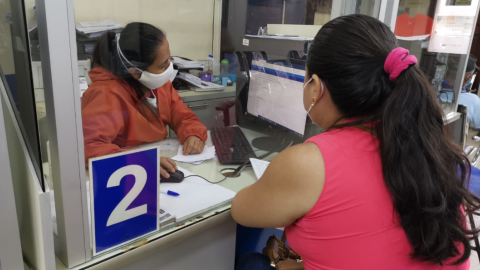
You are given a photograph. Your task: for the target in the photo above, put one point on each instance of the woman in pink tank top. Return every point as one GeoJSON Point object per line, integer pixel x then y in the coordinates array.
{"type": "Point", "coordinates": [384, 186]}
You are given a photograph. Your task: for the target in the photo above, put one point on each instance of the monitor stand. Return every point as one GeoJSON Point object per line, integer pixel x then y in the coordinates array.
{"type": "Point", "coordinates": [266, 143]}
{"type": "Point", "coordinates": [278, 141]}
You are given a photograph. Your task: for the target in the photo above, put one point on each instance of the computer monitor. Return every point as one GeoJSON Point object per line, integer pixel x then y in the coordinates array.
{"type": "Point", "coordinates": [272, 102]}
{"type": "Point", "coordinates": [276, 95]}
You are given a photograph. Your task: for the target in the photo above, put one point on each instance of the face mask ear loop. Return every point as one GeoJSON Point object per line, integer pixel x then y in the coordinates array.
{"type": "Point", "coordinates": [313, 98]}
{"type": "Point", "coordinates": [309, 81]}
{"type": "Point", "coordinates": [122, 57]}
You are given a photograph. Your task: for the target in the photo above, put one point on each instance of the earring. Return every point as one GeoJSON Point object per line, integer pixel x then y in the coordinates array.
{"type": "Point", "coordinates": [313, 101]}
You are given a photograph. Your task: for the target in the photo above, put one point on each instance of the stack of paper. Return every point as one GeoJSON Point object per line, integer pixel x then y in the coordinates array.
{"type": "Point", "coordinates": [198, 84]}
{"type": "Point", "coordinates": [83, 85]}
{"type": "Point", "coordinates": [208, 153]}
{"type": "Point", "coordinates": [196, 196]}
{"type": "Point", "coordinates": [97, 28]}
{"type": "Point", "coordinates": [186, 64]}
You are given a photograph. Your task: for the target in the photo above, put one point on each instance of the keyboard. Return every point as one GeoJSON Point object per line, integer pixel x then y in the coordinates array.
{"type": "Point", "coordinates": [231, 145]}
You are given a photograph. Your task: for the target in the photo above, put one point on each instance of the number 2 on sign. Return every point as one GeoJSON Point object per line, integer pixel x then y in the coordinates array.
{"type": "Point", "coordinates": [120, 213]}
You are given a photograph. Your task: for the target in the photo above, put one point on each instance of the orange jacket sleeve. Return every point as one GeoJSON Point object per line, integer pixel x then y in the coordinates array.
{"type": "Point", "coordinates": [103, 120]}
{"type": "Point", "coordinates": [184, 121]}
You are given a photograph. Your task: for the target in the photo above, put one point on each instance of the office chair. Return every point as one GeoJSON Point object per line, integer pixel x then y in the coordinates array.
{"type": "Point", "coordinates": [254, 55]}
{"type": "Point", "coordinates": [459, 131]}
{"type": "Point", "coordinates": [474, 188]}
{"type": "Point", "coordinates": [460, 138]}
{"type": "Point", "coordinates": [242, 62]}
{"type": "Point", "coordinates": [476, 157]}
{"type": "Point", "coordinates": [299, 55]}
{"type": "Point", "coordinates": [243, 84]}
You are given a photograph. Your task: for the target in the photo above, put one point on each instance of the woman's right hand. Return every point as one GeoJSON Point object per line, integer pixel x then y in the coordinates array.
{"type": "Point", "coordinates": [167, 164]}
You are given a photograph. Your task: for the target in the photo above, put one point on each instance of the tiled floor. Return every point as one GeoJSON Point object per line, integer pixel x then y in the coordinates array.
{"type": "Point", "coordinates": [474, 265]}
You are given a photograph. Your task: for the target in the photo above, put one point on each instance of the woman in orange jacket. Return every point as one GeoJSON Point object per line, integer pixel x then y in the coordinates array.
{"type": "Point", "coordinates": [131, 99]}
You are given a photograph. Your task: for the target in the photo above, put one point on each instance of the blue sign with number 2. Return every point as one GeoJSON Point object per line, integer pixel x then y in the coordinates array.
{"type": "Point", "coordinates": [124, 190]}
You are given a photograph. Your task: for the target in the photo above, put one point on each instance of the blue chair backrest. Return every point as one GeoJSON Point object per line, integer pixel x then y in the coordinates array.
{"type": "Point", "coordinates": [474, 186]}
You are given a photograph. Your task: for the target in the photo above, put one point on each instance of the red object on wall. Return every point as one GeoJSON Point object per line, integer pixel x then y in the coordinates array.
{"type": "Point", "coordinates": [419, 25]}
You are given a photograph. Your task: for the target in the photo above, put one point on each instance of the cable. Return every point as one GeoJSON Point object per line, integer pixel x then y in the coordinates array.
{"type": "Point", "coordinates": [206, 179]}
{"type": "Point", "coordinates": [241, 167]}
{"type": "Point", "coordinates": [244, 165]}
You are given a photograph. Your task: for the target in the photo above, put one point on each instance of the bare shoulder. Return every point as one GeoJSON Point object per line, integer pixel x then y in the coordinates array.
{"type": "Point", "coordinates": [287, 191]}
{"type": "Point", "coordinates": [302, 161]}
{"type": "Point", "coordinates": [300, 171]}
{"type": "Point", "coordinates": [302, 154]}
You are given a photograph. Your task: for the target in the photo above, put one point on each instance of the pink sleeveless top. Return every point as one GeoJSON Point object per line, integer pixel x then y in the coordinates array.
{"type": "Point", "coordinates": [353, 224]}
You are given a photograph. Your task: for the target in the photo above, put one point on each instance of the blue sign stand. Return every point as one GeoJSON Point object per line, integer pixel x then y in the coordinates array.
{"type": "Point", "coordinates": [124, 191]}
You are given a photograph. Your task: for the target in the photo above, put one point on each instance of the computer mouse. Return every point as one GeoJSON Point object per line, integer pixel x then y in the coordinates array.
{"type": "Point", "coordinates": [176, 177]}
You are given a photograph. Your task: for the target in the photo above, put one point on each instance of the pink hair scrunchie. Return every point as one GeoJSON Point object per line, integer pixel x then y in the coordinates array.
{"type": "Point", "coordinates": [397, 61]}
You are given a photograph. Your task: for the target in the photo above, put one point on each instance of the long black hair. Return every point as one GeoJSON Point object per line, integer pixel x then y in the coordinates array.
{"type": "Point", "coordinates": [424, 170]}
{"type": "Point", "coordinates": [139, 43]}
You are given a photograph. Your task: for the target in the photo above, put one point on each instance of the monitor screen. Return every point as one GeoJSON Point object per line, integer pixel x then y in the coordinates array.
{"type": "Point", "coordinates": [276, 94]}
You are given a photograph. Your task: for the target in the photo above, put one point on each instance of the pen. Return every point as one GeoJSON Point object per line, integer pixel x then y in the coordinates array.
{"type": "Point", "coordinates": [171, 193]}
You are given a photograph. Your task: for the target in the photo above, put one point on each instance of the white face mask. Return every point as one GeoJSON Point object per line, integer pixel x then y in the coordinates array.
{"type": "Point", "coordinates": [150, 80]}
{"type": "Point", "coordinates": [154, 81]}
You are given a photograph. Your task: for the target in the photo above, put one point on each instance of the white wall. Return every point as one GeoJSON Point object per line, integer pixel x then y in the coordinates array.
{"type": "Point", "coordinates": [321, 18]}
{"type": "Point", "coordinates": [188, 23]}
{"type": "Point", "coordinates": [30, 13]}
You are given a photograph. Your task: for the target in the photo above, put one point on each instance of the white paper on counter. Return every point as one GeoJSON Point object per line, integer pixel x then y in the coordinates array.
{"type": "Point", "coordinates": [259, 166]}
{"type": "Point", "coordinates": [195, 196]}
{"type": "Point", "coordinates": [208, 153]}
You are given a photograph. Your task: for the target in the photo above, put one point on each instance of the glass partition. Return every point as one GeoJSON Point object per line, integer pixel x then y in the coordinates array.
{"type": "Point", "coordinates": [287, 22]}
{"type": "Point", "coordinates": [206, 83]}
{"type": "Point", "coordinates": [444, 70]}
{"type": "Point", "coordinates": [17, 26]}
{"type": "Point", "coordinates": [189, 77]}
{"type": "Point", "coordinates": [225, 89]}
{"type": "Point", "coordinates": [119, 113]}
{"type": "Point", "coordinates": [368, 7]}
{"type": "Point", "coordinates": [302, 12]}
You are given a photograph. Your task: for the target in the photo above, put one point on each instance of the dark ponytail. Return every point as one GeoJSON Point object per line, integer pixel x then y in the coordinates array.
{"type": "Point", "coordinates": [424, 170]}
{"type": "Point", "coordinates": [139, 43]}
